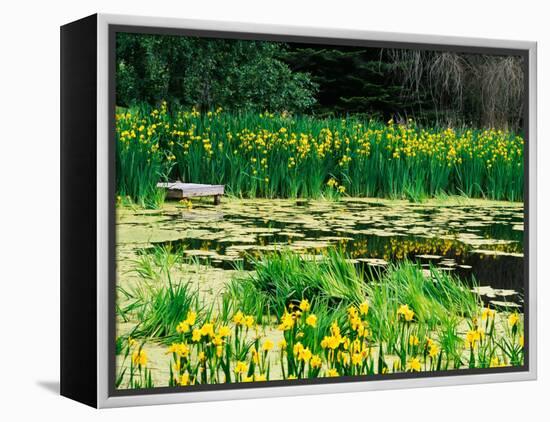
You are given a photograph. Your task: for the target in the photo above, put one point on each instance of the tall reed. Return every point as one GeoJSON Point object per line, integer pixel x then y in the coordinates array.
{"type": "Point", "coordinates": [267, 155]}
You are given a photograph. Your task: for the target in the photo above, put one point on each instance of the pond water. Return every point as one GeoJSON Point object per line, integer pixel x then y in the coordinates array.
{"type": "Point", "coordinates": [471, 238]}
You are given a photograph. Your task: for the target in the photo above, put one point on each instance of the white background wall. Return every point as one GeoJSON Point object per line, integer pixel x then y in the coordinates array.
{"type": "Point", "coordinates": [29, 207]}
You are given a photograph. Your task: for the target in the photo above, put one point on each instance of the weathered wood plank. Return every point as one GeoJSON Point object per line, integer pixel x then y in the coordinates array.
{"type": "Point", "coordinates": [179, 190]}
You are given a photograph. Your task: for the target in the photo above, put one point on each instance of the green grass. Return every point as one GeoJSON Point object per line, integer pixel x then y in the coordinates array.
{"type": "Point", "coordinates": [444, 326]}
{"type": "Point", "coordinates": [159, 303]}
{"type": "Point", "coordinates": [432, 297]}
{"type": "Point", "coordinates": [266, 155]}
{"type": "Point", "coordinates": [159, 309]}
{"type": "Point", "coordinates": [436, 300]}
{"type": "Point", "coordinates": [283, 278]}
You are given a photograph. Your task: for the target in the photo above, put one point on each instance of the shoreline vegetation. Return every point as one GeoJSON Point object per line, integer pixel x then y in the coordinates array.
{"type": "Point", "coordinates": [306, 317]}
{"type": "Point", "coordinates": [352, 241]}
{"type": "Point", "coordinates": [279, 155]}
{"type": "Point", "coordinates": [297, 315]}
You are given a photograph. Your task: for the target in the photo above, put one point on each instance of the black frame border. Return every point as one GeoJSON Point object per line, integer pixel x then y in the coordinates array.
{"type": "Point", "coordinates": [78, 210]}
{"type": "Point", "coordinates": [113, 29]}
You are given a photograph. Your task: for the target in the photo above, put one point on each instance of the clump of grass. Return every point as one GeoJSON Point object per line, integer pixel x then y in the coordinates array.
{"type": "Point", "coordinates": [163, 308]}
{"type": "Point", "coordinates": [434, 297]}
{"type": "Point", "coordinates": [284, 277]}
{"type": "Point", "coordinates": [158, 302]}
{"type": "Point", "coordinates": [156, 261]}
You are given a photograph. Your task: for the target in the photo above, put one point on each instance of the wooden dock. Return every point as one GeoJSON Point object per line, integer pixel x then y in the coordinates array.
{"type": "Point", "coordinates": [180, 190]}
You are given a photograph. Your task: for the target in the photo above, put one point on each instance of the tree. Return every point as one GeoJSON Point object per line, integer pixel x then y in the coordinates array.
{"type": "Point", "coordinates": [208, 73]}
{"type": "Point", "coordinates": [456, 88]}
{"type": "Point", "coordinates": [350, 79]}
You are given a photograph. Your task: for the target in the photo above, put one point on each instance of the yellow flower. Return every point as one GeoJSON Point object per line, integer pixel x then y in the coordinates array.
{"type": "Point", "coordinates": [249, 321]}
{"type": "Point", "coordinates": [413, 365]}
{"type": "Point", "coordinates": [356, 323]}
{"type": "Point", "coordinates": [238, 318]}
{"type": "Point", "coordinates": [298, 347]}
{"type": "Point", "coordinates": [472, 337]}
{"type": "Point", "coordinates": [196, 335]}
{"type": "Point", "coordinates": [224, 331]}
{"type": "Point", "coordinates": [364, 308]}
{"type": "Point", "coordinates": [139, 357]}
{"type": "Point", "coordinates": [191, 317]}
{"type": "Point", "coordinates": [331, 183]}
{"type": "Point", "coordinates": [201, 356]}
{"type": "Point", "coordinates": [311, 320]}
{"type": "Point", "coordinates": [287, 322]}
{"type": "Point", "coordinates": [241, 367]}
{"type": "Point", "coordinates": [335, 329]}
{"type": "Point", "coordinates": [282, 344]}
{"type": "Point", "coordinates": [248, 378]}
{"type": "Point", "coordinates": [341, 189]}
{"type": "Point", "coordinates": [304, 354]}
{"type": "Point", "coordinates": [184, 379]}
{"type": "Point", "coordinates": [406, 312]}
{"type": "Point", "coordinates": [344, 357]}
{"type": "Point", "coordinates": [352, 312]}
{"type": "Point", "coordinates": [433, 350]}
{"type": "Point", "coordinates": [291, 377]}
{"type": "Point", "coordinates": [267, 346]}
{"type": "Point", "coordinates": [402, 309]}
{"type": "Point", "coordinates": [356, 358]}
{"type": "Point", "coordinates": [332, 372]}
{"type": "Point", "coordinates": [180, 349]}
{"type": "Point", "coordinates": [413, 340]}
{"type": "Point", "coordinates": [304, 305]}
{"type": "Point", "coordinates": [513, 319]}
{"type": "Point", "coordinates": [487, 313]}
{"type": "Point", "coordinates": [260, 377]}
{"type": "Point", "coordinates": [315, 361]}
{"type": "Point", "coordinates": [207, 329]}
{"type": "Point", "coordinates": [182, 327]}
{"type": "Point", "coordinates": [254, 355]}
{"type": "Point", "coordinates": [330, 342]}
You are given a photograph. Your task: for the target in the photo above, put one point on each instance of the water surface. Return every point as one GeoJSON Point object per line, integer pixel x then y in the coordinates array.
{"type": "Point", "coordinates": [471, 238]}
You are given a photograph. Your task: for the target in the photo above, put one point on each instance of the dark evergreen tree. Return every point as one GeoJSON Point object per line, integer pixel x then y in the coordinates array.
{"type": "Point", "coordinates": [351, 80]}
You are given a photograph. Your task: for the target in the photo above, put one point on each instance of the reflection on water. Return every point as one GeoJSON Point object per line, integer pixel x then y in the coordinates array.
{"type": "Point", "coordinates": [484, 241]}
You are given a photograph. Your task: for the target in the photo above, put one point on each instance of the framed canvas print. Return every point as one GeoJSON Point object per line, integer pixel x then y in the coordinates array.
{"type": "Point", "coordinates": [252, 210]}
